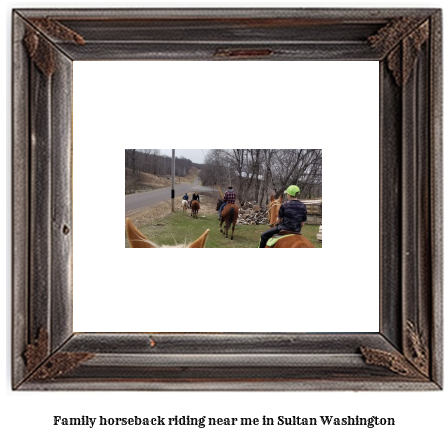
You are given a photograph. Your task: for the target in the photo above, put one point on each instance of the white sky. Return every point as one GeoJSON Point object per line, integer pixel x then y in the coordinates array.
{"type": "Point", "coordinates": [195, 155]}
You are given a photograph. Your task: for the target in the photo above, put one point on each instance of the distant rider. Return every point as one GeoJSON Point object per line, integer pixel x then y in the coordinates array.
{"type": "Point", "coordinates": [291, 216]}
{"type": "Point", "coordinates": [185, 198]}
{"type": "Point", "coordinates": [195, 197]}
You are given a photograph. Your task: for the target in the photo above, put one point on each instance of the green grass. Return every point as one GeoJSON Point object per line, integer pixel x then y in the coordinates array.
{"type": "Point", "coordinates": [179, 227]}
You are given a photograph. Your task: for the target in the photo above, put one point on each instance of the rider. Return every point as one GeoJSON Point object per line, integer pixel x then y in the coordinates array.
{"type": "Point", "coordinates": [291, 216]}
{"type": "Point", "coordinates": [195, 197]}
{"type": "Point", "coordinates": [229, 198]}
{"type": "Point", "coordinates": [185, 198]}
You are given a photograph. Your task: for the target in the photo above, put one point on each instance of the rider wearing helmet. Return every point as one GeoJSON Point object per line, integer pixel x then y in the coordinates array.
{"type": "Point", "coordinates": [292, 216]}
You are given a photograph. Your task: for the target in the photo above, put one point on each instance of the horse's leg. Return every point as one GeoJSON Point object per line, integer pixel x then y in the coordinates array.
{"type": "Point", "coordinates": [233, 230]}
{"type": "Point", "coordinates": [220, 225]}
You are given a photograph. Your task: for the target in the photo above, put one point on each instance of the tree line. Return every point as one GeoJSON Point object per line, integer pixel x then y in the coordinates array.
{"type": "Point", "coordinates": [151, 161]}
{"type": "Point", "coordinates": [255, 173]}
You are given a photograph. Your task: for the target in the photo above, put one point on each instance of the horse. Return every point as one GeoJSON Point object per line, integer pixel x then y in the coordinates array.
{"type": "Point", "coordinates": [139, 240]}
{"type": "Point", "coordinates": [229, 215]}
{"type": "Point", "coordinates": [184, 205]}
{"type": "Point", "coordinates": [194, 209]}
{"type": "Point", "coordinates": [292, 241]}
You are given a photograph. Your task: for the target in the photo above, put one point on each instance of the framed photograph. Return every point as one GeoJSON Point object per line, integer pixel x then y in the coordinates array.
{"type": "Point", "coordinates": [50, 353]}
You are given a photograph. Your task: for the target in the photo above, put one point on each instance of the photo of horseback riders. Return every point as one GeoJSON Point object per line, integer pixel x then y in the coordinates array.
{"type": "Point", "coordinates": [262, 198]}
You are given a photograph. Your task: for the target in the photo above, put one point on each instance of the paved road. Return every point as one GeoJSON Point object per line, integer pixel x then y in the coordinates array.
{"type": "Point", "coordinates": [141, 200]}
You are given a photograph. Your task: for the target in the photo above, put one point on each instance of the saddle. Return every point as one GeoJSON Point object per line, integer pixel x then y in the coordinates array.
{"type": "Point", "coordinates": [281, 235]}
{"type": "Point", "coordinates": [285, 232]}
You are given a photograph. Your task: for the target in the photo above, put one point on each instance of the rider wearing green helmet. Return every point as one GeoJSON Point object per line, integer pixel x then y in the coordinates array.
{"type": "Point", "coordinates": [293, 191]}
{"type": "Point", "coordinates": [292, 215]}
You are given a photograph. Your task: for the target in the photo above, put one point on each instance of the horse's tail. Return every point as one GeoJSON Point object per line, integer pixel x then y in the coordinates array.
{"type": "Point", "coordinates": [229, 218]}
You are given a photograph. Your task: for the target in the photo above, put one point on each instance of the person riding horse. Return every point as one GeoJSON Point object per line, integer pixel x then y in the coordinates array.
{"type": "Point", "coordinates": [195, 197]}
{"type": "Point", "coordinates": [229, 198]}
{"type": "Point", "coordinates": [185, 198]}
{"type": "Point", "coordinates": [291, 216]}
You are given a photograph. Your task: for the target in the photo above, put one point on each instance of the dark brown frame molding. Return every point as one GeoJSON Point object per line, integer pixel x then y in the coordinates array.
{"type": "Point", "coordinates": [406, 354]}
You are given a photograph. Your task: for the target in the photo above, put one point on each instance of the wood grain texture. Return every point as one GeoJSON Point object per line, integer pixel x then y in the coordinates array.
{"type": "Point", "coordinates": [406, 354]}
{"type": "Point", "coordinates": [20, 201]}
{"type": "Point", "coordinates": [436, 195]}
{"type": "Point", "coordinates": [391, 299]}
{"type": "Point", "coordinates": [61, 200]}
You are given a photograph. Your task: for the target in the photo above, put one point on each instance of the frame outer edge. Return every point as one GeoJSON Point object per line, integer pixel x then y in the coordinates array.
{"type": "Point", "coordinates": [436, 137]}
{"type": "Point", "coordinates": [20, 200]}
{"type": "Point", "coordinates": [417, 261]}
{"type": "Point", "coordinates": [324, 13]}
{"type": "Point", "coordinates": [45, 311]}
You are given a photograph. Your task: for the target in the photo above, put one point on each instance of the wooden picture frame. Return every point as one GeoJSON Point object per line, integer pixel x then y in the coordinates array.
{"type": "Point", "coordinates": [406, 353]}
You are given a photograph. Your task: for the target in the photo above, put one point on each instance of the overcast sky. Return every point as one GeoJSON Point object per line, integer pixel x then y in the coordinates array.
{"type": "Point", "coordinates": [195, 155]}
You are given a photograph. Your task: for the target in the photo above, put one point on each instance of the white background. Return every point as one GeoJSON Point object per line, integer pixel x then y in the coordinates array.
{"type": "Point", "coordinates": [234, 104]}
{"type": "Point", "coordinates": [416, 414]}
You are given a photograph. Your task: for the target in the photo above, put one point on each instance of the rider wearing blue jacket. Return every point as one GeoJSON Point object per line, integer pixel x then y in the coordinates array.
{"type": "Point", "coordinates": [291, 216]}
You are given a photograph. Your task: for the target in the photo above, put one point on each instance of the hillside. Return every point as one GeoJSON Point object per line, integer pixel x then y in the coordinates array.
{"type": "Point", "coordinates": [143, 182]}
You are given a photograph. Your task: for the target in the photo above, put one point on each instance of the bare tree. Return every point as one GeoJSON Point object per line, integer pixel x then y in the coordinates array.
{"type": "Point", "coordinates": [294, 166]}
{"type": "Point", "coordinates": [130, 159]}
{"type": "Point", "coordinates": [267, 174]}
{"type": "Point", "coordinates": [256, 172]}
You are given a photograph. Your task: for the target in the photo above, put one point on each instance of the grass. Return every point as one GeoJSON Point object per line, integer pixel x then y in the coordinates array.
{"type": "Point", "coordinates": [180, 227]}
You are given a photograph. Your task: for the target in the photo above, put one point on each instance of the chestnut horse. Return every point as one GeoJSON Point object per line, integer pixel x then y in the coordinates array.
{"type": "Point", "coordinates": [293, 241]}
{"type": "Point", "coordinates": [139, 240]}
{"type": "Point", "coordinates": [229, 215]}
{"type": "Point", "coordinates": [194, 209]}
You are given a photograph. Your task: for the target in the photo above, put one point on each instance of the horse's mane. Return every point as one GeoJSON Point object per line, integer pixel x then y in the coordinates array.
{"type": "Point", "coordinates": [139, 240]}
{"type": "Point", "coordinates": [180, 245]}
{"type": "Point", "coordinates": [274, 204]}
{"type": "Point", "coordinates": [143, 241]}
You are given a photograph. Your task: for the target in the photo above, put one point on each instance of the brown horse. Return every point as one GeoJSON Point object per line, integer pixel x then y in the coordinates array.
{"type": "Point", "coordinates": [229, 215]}
{"type": "Point", "coordinates": [293, 241]}
{"type": "Point", "coordinates": [194, 209]}
{"type": "Point", "coordinates": [139, 240]}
